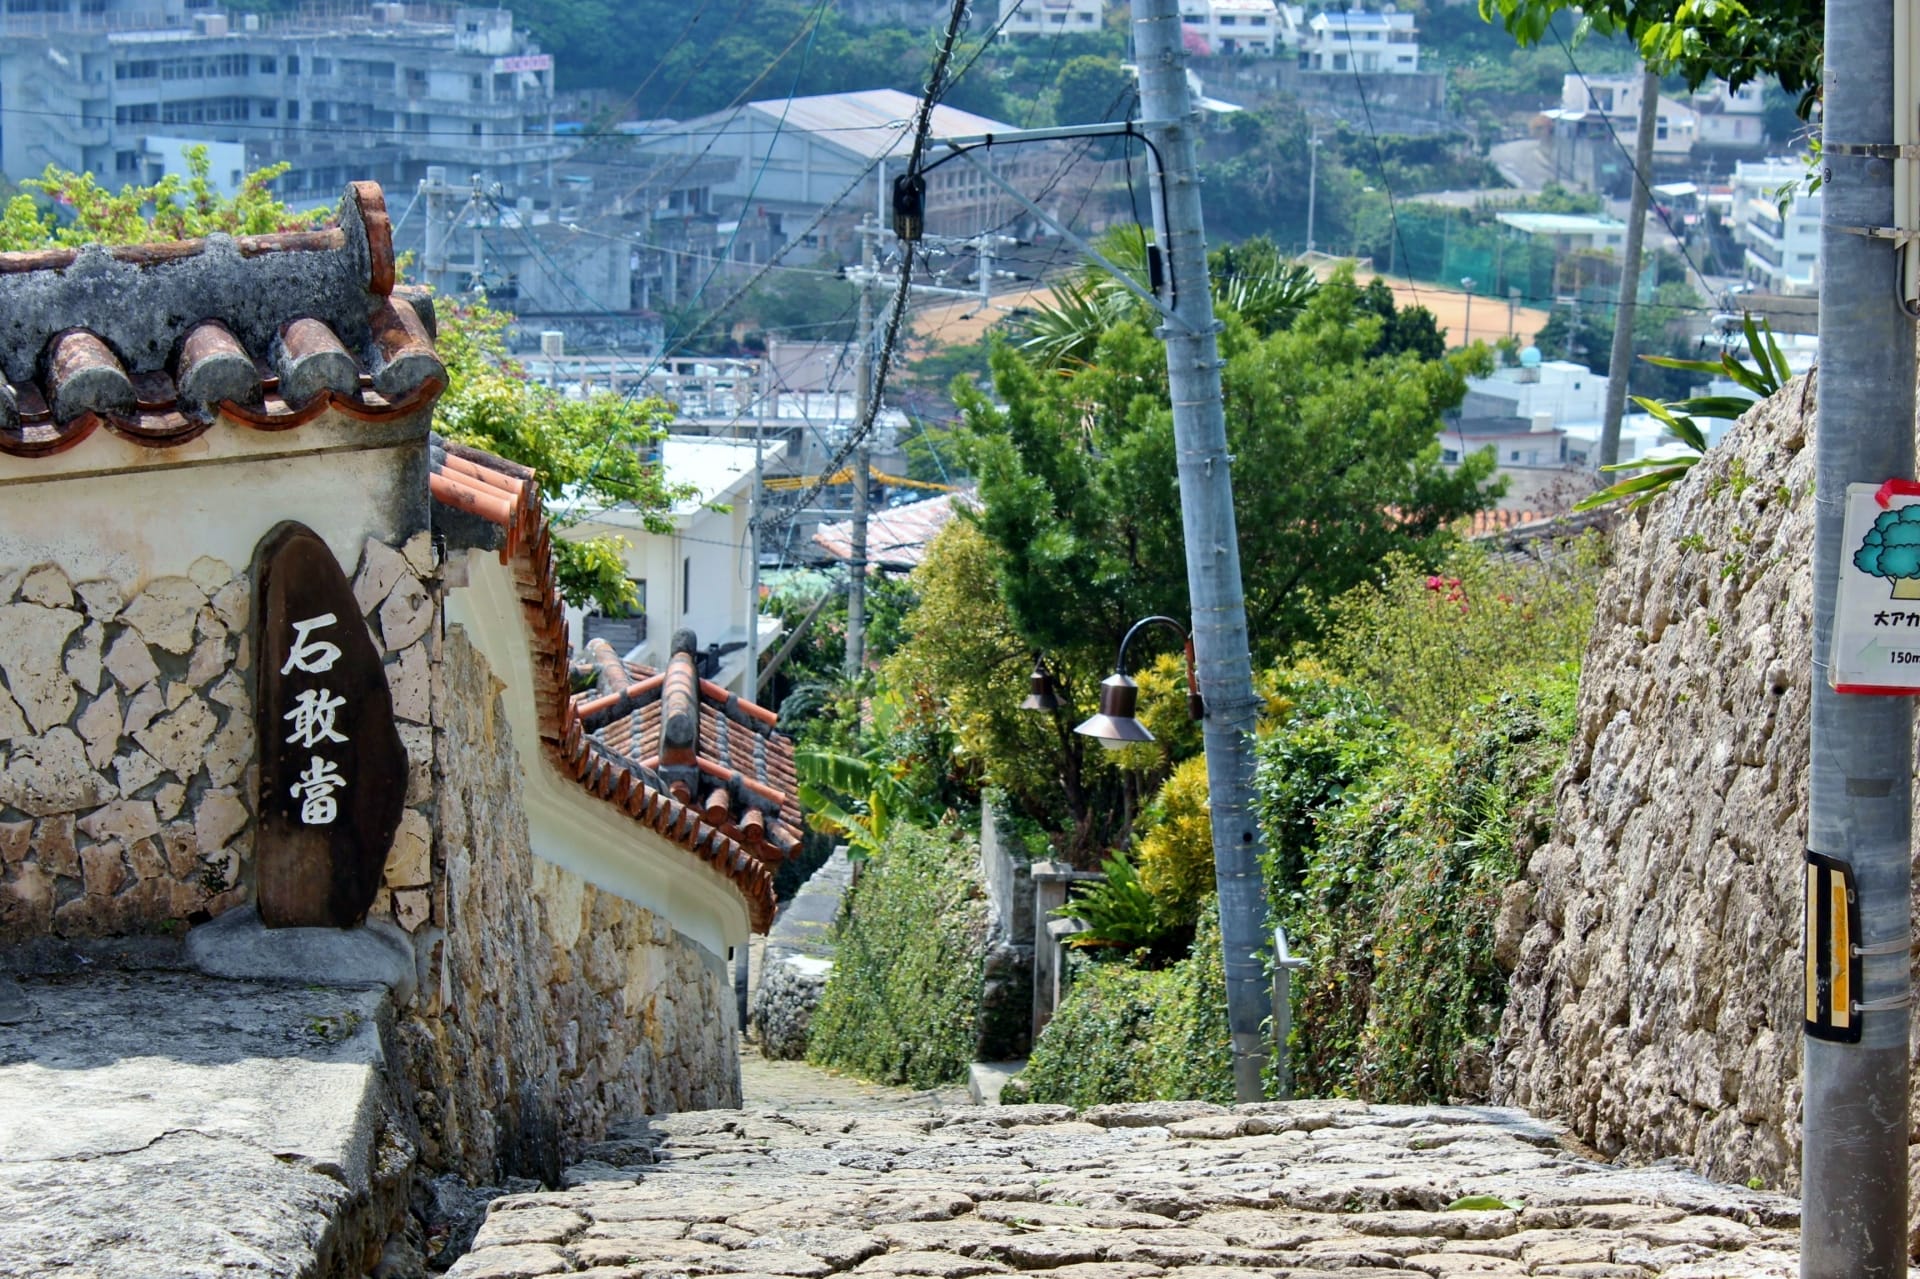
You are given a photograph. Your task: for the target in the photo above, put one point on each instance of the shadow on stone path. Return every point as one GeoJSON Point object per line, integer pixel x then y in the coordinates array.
{"type": "Point", "coordinates": [822, 1176]}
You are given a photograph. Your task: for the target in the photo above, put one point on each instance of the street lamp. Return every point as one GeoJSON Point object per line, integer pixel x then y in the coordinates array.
{"type": "Point", "coordinates": [1115, 724]}
{"type": "Point", "coordinates": [1467, 282]}
{"type": "Point", "coordinates": [1040, 693]}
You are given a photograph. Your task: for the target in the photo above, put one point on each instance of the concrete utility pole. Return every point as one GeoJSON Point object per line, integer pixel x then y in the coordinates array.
{"type": "Point", "coordinates": [1853, 1159]}
{"type": "Point", "coordinates": [1313, 183]}
{"type": "Point", "coordinates": [863, 391]}
{"type": "Point", "coordinates": [1620, 363]}
{"type": "Point", "coordinates": [1212, 539]}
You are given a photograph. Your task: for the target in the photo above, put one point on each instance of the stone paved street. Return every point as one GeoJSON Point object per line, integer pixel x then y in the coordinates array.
{"type": "Point", "coordinates": [1305, 1189]}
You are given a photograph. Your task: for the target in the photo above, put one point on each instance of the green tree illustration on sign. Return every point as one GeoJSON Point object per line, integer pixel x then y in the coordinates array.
{"type": "Point", "coordinates": [1891, 549]}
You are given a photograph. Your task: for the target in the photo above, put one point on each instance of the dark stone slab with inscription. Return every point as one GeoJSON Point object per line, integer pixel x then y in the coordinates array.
{"type": "Point", "coordinates": [333, 771]}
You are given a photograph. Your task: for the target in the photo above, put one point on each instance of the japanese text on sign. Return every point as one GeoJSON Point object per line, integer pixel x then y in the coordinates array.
{"type": "Point", "coordinates": [312, 718]}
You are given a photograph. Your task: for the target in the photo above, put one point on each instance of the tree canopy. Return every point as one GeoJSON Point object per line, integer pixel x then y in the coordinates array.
{"type": "Point", "coordinates": [1695, 39]}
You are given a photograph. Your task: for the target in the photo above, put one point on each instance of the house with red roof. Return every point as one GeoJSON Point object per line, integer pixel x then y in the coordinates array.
{"type": "Point", "coordinates": [277, 662]}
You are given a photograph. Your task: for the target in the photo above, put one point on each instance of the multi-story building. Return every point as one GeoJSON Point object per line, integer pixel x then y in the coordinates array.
{"type": "Point", "coordinates": [1782, 250]}
{"type": "Point", "coordinates": [1386, 43]}
{"type": "Point", "coordinates": [119, 87]}
{"type": "Point", "coordinates": [1051, 17]}
{"type": "Point", "coordinates": [1234, 26]}
{"type": "Point", "coordinates": [1588, 133]}
{"type": "Point", "coordinates": [841, 151]}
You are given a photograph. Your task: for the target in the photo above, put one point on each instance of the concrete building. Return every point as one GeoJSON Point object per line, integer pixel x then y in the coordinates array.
{"type": "Point", "coordinates": [1234, 26]}
{"type": "Point", "coordinates": [697, 576]}
{"type": "Point", "coordinates": [118, 90]}
{"type": "Point", "coordinates": [1371, 43]}
{"type": "Point", "coordinates": [799, 156]}
{"type": "Point", "coordinates": [1583, 138]}
{"type": "Point", "coordinates": [1052, 17]}
{"type": "Point", "coordinates": [1781, 251]}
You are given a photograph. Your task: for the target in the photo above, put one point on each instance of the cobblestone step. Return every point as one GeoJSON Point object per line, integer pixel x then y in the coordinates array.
{"type": "Point", "coordinates": [890, 1184]}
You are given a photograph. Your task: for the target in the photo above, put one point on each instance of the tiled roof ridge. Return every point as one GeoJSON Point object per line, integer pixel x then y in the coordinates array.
{"type": "Point", "coordinates": [158, 341]}
{"type": "Point", "coordinates": [506, 495]}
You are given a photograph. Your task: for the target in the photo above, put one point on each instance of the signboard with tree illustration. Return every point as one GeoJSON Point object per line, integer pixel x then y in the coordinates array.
{"type": "Point", "coordinates": [1876, 624]}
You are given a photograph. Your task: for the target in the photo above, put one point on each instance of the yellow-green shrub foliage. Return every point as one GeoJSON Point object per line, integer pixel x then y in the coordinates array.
{"type": "Point", "coordinates": [902, 1005]}
{"type": "Point", "coordinates": [1429, 645]}
{"type": "Point", "coordinates": [1175, 844]}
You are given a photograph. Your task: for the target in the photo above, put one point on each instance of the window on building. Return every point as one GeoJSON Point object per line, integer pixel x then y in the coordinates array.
{"type": "Point", "coordinates": [476, 129]}
{"type": "Point", "coordinates": [269, 109]}
{"type": "Point", "coordinates": [126, 161]}
{"type": "Point", "coordinates": [1086, 19]}
{"type": "Point", "coordinates": [1257, 21]}
{"type": "Point", "coordinates": [293, 64]}
{"type": "Point", "coordinates": [686, 585]}
{"type": "Point", "coordinates": [269, 66]}
{"type": "Point", "coordinates": [1660, 129]}
{"type": "Point", "coordinates": [323, 66]}
{"type": "Point", "coordinates": [1226, 19]}
{"type": "Point", "coordinates": [293, 110]}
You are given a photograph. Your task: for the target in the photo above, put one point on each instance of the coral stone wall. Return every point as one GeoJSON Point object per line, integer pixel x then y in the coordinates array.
{"type": "Point", "coordinates": [547, 1007]}
{"type": "Point", "coordinates": [1656, 993]}
{"type": "Point", "coordinates": [127, 742]}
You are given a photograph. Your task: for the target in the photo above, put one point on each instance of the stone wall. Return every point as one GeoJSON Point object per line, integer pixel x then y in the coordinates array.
{"type": "Point", "coordinates": [127, 743]}
{"type": "Point", "coordinates": [1655, 941]}
{"type": "Point", "coordinates": [546, 1006]}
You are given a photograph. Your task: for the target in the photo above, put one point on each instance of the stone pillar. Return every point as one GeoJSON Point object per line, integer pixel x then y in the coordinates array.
{"type": "Point", "coordinates": [1050, 883]}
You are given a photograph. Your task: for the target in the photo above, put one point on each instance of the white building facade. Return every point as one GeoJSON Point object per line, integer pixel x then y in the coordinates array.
{"type": "Point", "coordinates": [1051, 17]}
{"type": "Point", "coordinates": [1781, 250]}
{"type": "Point", "coordinates": [1369, 43]}
{"type": "Point", "coordinates": [380, 93]}
{"type": "Point", "coordinates": [1235, 26]}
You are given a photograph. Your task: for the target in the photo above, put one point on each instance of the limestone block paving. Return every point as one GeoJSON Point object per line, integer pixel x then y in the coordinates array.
{"type": "Point", "coordinates": [1306, 1190]}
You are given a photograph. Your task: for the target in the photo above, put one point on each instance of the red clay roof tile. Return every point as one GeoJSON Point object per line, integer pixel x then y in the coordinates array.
{"type": "Point", "coordinates": [266, 331]}
{"type": "Point", "coordinates": [609, 737]}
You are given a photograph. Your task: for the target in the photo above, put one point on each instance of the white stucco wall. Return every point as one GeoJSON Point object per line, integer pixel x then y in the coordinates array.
{"type": "Point", "coordinates": [570, 828]}
{"type": "Point", "coordinates": [109, 508]}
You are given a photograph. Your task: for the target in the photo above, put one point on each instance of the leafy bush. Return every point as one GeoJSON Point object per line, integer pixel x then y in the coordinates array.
{"type": "Point", "coordinates": [1117, 910]}
{"type": "Point", "coordinates": [1124, 1033]}
{"type": "Point", "coordinates": [903, 1001]}
{"type": "Point", "coordinates": [1402, 882]}
{"type": "Point", "coordinates": [1175, 843]}
{"type": "Point", "coordinates": [1428, 646]}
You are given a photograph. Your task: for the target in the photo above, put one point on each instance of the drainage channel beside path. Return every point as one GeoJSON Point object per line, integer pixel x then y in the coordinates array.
{"type": "Point", "coordinates": [829, 1177]}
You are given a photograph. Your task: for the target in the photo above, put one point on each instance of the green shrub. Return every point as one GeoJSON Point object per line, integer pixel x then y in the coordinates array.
{"type": "Point", "coordinates": [1402, 883]}
{"type": "Point", "coordinates": [903, 1002]}
{"type": "Point", "coordinates": [1124, 1033]}
{"type": "Point", "coordinates": [1430, 646]}
{"type": "Point", "coordinates": [1175, 843]}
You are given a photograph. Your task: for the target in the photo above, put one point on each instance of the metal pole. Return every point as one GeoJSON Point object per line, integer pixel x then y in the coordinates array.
{"type": "Point", "coordinates": [863, 390]}
{"type": "Point", "coordinates": [1212, 539]}
{"type": "Point", "coordinates": [751, 684]}
{"type": "Point", "coordinates": [1853, 1157]}
{"type": "Point", "coordinates": [1313, 183]}
{"type": "Point", "coordinates": [1620, 363]}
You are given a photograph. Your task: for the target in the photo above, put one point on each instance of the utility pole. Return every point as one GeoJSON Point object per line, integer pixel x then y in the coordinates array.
{"type": "Point", "coordinates": [863, 391]}
{"type": "Point", "coordinates": [1853, 1155]}
{"type": "Point", "coordinates": [751, 687]}
{"type": "Point", "coordinates": [1620, 363]}
{"type": "Point", "coordinates": [1212, 538]}
{"type": "Point", "coordinates": [1313, 182]}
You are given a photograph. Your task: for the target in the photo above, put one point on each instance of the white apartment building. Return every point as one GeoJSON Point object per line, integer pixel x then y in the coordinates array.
{"type": "Point", "coordinates": [379, 93]}
{"type": "Point", "coordinates": [1782, 250]}
{"type": "Point", "coordinates": [1052, 17]}
{"type": "Point", "coordinates": [1371, 43]}
{"type": "Point", "coordinates": [1235, 26]}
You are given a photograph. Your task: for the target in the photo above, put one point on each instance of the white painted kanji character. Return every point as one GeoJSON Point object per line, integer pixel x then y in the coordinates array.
{"type": "Point", "coordinates": [316, 657]}
{"type": "Point", "coordinates": [315, 790]}
{"type": "Point", "coordinates": [312, 717]}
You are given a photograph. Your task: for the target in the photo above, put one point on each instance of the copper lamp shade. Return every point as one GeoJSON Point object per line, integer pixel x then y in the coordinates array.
{"type": "Point", "coordinates": [1040, 695]}
{"type": "Point", "coordinates": [1115, 725]}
